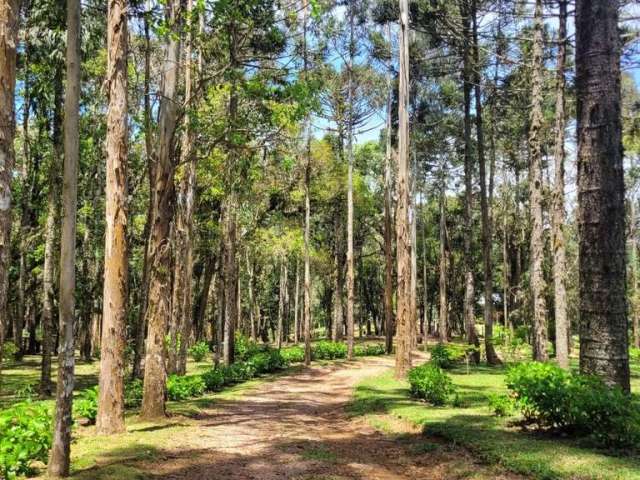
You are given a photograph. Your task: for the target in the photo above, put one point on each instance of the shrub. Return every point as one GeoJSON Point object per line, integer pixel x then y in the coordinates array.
{"type": "Point", "coordinates": [199, 351]}
{"type": "Point", "coordinates": [133, 393]}
{"type": "Point", "coordinates": [294, 354]}
{"type": "Point", "coordinates": [500, 405]}
{"type": "Point", "coordinates": [9, 349]}
{"type": "Point", "coordinates": [245, 347]}
{"type": "Point", "coordinates": [267, 362]}
{"type": "Point", "coordinates": [440, 356]}
{"type": "Point", "coordinates": [634, 354]}
{"type": "Point", "coordinates": [554, 399]}
{"type": "Point", "coordinates": [213, 379]}
{"type": "Point", "coordinates": [369, 350]}
{"type": "Point", "coordinates": [430, 383]}
{"type": "Point", "coordinates": [86, 406]}
{"type": "Point", "coordinates": [183, 387]}
{"type": "Point", "coordinates": [25, 436]}
{"type": "Point", "coordinates": [326, 350]}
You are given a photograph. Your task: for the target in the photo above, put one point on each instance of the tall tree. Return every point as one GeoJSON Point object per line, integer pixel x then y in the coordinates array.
{"type": "Point", "coordinates": [558, 218]}
{"type": "Point", "coordinates": [61, 446]}
{"type": "Point", "coordinates": [602, 303]}
{"type": "Point", "coordinates": [159, 307]}
{"type": "Point", "coordinates": [388, 211]}
{"type": "Point", "coordinates": [8, 46]}
{"type": "Point", "coordinates": [307, 199]}
{"type": "Point", "coordinates": [536, 195]}
{"type": "Point", "coordinates": [403, 227]}
{"type": "Point", "coordinates": [110, 418]}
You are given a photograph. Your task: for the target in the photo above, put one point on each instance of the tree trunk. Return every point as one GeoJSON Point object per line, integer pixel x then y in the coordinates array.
{"type": "Point", "coordinates": [110, 418]}
{"type": "Point", "coordinates": [183, 227]}
{"type": "Point", "coordinates": [159, 307]}
{"type": "Point", "coordinates": [296, 317]}
{"type": "Point", "coordinates": [61, 445]}
{"type": "Point", "coordinates": [603, 318]}
{"type": "Point", "coordinates": [492, 357]}
{"type": "Point", "coordinates": [350, 269]}
{"type": "Point", "coordinates": [536, 194]}
{"type": "Point", "coordinates": [8, 44]}
{"type": "Point", "coordinates": [141, 325]}
{"type": "Point", "coordinates": [388, 219]}
{"type": "Point", "coordinates": [559, 255]}
{"type": "Point", "coordinates": [307, 207]}
{"type": "Point", "coordinates": [48, 273]}
{"type": "Point", "coordinates": [229, 278]}
{"type": "Point", "coordinates": [443, 316]}
{"type": "Point", "coordinates": [403, 227]}
{"type": "Point", "coordinates": [469, 287]}
{"type": "Point", "coordinates": [203, 299]}
{"type": "Point", "coordinates": [281, 300]}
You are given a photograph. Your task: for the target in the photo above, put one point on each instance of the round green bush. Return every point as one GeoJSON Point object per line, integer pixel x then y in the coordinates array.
{"type": "Point", "coordinates": [199, 351]}
{"type": "Point", "coordinates": [430, 383]}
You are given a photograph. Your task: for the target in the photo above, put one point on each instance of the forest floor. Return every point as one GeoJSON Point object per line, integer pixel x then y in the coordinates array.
{"type": "Point", "coordinates": [295, 426]}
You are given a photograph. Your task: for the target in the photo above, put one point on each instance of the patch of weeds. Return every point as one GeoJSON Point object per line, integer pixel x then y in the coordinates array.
{"type": "Point", "coordinates": [320, 454]}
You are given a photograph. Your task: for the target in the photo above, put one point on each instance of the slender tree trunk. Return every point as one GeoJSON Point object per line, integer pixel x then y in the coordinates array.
{"type": "Point", "coordinates": [141, 325]}
{"type": "Point", "coordinates": [183, 264]}
{"type": "Point", "coordinates": [110, 418]}
{"type": "Point", "coordinates": [296, 317]}
{"type": "Point", "coordinates": [403, 228]}
{"type": "Point", "coordinates": [469, 288]}
{"type": "Point", "coordinates": [229, 278]}
{"type": "Point", "coordinates": [603, 318]}
{"type": "Point", "coordinates": [307, 207]}
{"type": "Point", "coordinates": [388, 219]}
{"type": "Point", "coordinates": [492, 357]}
{"type": "Point", "coordinates": [159, 303]}
{"type": "Point", "coordinates": [59, 459]}
{"type": "Point", "coordinates": [536, 194]}
{"type": "Point", "coordinates": [443, 316]}
{"type": "Point", "coordinates": [414, 253]}
{"type": "Point", "coordinates": [8, 44]}
{"type": "Point", "coordinates": [281, 300]}
{"type": "Point", "coordinates": [559, 255]}
{"type": "Point", "coordinates": [203, 299]}
{"type": "Point", "coordinates": [48, 273]}
{"type": "Point", "coordinates": [337, 323]}
{"type": "Point", "coordinates": [350, 269]}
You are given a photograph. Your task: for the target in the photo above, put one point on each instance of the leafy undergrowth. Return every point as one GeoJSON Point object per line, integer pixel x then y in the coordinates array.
{"type": "Point", "coordinates": [471, 423]}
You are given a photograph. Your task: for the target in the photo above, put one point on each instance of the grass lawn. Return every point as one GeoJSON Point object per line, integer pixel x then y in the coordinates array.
{"type": "Point", "coordinates": [473, 425]}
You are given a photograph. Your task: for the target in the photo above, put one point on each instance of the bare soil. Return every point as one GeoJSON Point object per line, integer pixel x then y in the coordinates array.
{"type": "Point", "coordinates": [297, 427]}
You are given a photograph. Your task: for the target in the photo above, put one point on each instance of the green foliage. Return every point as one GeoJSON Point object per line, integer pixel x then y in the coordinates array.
{"type": "Point", "coordinates": [583, 405]}
{"type": "Point", "coordinates": [199, 351]}
{"type": "Point", "coordinates": [325, 350]}
{"type": "Point", "coordinates": [294, 354]}
{"type": "Point", "coordinates": [213, 380]}
{"type": "Point", "coordinates": [440, 356]}
{"type": "Point", "coordinates": [9, 349]}
{"type": "Point", "coordinates": [86, 406]}
{"type": "Point", "coordinates": [369, 350]}
{"type": "Point", "coordinates": [133, 393]}
{"type": "Point", "coordinates": [500, 405]}
{"type": "Point", "coordinates": [634, 354]}
{"type": "Point", "coordinates": [429, 382]}
{"type": "Point", "coordinates": [245, 347]}
{"type": "Point", "coordinates": [267, 362]}
{"type": "Point", "coordinates": [25, 436]}
{"type": "Point", "coordinates": [183, 387]}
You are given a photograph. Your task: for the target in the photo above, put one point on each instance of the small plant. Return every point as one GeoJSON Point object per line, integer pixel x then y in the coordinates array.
{"type": "Point", "coordinates": [325, 350]}
{"type": "Point", "coordinates": [440, 356]}
{"type": "Point", "coordinates": [183, 387]}
{"type": "Point", "coordinates": [9, 349]}
{"type": "Point", "coordinates": [245, 347]}
{"type": "Point", "coordinates": [582, 405]}
{"type": "Point", "coordinates": [213, 380]}
{"type": "Point", "coordinates": [500, 405]}
{"type": "Point", "coordinates": [199, 351]}
{"type": "Point", "coordinates": [133, 393]}
{"type": "Point", "coordinates": [25, 437]}
{"type": "Point", "coordinates": [369, 350]}
{"type": "Point", "coordinates": [294, 354]}
{"type": "Point", "coordinates": [428, 382]}
{"type": "Point", "coordinates": [86, 406]}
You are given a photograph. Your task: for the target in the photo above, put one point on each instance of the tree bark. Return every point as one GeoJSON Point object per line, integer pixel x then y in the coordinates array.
{"type": "Point", "coordinates": [296, 317]}
{"type": "Point", "coordinates": [403, 227]}
{"type": "Point", "coordinates": [350, 269]}
{"type": "Point", "coordinates": [307, 205]}
{"type": "Point", "coordinates": [538, 283]}
{"type": "Point", "coordinates": [159, 308]}
{"type": "Point", "coordinates": [388, 219]}
{"type": "Point", "coordinates": [443, 316]}
{"type": "Point", "coordinates": [559, 250]}
{"type": "Point", "coordinates": [8, 45]}
{"type": "Point", "coordinates": [110, 417]}
{"type": "Point", "coordinates": [59, 459]}
{"type": "Point", "coordinates": [469, 287]}
{"type": "Point", "coordinates": [53, 212]}
{"type": "Point", "coordinates": [603, 318]}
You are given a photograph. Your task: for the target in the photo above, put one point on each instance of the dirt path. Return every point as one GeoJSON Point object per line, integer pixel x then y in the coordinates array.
{"type": "Point", "coordinates": [296, 427]}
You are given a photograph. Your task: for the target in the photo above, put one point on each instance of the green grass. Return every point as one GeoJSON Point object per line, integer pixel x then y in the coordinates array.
{"type": "Point", "coordinates": [491, 438]}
